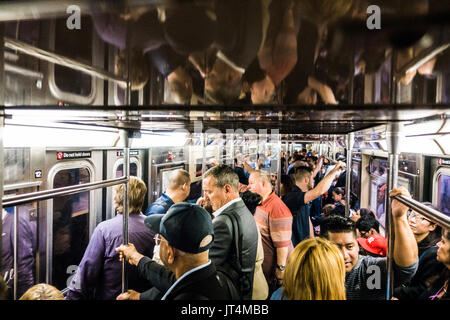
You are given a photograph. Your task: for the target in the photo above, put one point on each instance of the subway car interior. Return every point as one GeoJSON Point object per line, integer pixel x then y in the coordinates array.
{"type": "Point", "coordinates": [93, 92]}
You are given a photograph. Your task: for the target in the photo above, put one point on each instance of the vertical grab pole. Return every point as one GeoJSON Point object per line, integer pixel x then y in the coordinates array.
{"type": "Point", "coordinates": [279, 163]}
{"type": "Point", "coordinates": [125, 213]}
{"type": "Point", "coordinates": [348, 176]}
{"type": "Point", "coordinates": [2, 103]}
{"type": "Point", "coordinates": [16, 252]}
{"type": "Point", "coordinates": [393, 136]}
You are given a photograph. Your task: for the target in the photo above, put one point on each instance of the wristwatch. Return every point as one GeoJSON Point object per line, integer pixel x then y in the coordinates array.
{"type": "Point", "coordinates": [281, 268]}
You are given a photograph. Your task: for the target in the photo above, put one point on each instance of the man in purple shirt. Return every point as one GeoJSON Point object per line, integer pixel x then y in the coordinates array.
{"type": "Point", "coordinates": [99, 275]}
{"type": "Point", "coordinates": [26, 248]}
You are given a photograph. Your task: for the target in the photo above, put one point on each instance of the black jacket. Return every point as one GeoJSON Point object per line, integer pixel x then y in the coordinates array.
{"type": "Point", "coordinates": [428, 268]}
{"type": "Point", "coordinates": [203, 284]}
{"type": "Point", "coordinates": [222, 253]}
{"type": "Point", "coordinates": [224, 250]}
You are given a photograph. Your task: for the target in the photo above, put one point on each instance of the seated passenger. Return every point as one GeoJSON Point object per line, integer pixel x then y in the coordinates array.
{"type": "Point", "coordinates": [177, 191]}
{"type": "Point", "coordinates": [186, 234]}
{"type": "Point", "coordinates": [338, 195]}
{"type": "Point", "coordinates": [342, 232]}
{"type": "Point", "coordinates": [363, 212]}
{"type": "Point", "coordinates": [314, 271]}
{"type": "Point", "coordinates": [427, 235]}
{"type": "Point", "coordinates": [367, 227]}
{"type": "Point", "coordinates": [99, 275]}
{"type": "Point", "coordinates": [42, 291]}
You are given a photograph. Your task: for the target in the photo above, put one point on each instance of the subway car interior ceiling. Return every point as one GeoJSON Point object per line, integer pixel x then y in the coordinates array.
{"type": "Point", "coordinates": [93, 95]}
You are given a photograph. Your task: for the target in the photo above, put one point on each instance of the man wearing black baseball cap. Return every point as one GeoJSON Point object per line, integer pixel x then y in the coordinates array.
{"type": "Point", "coordinates": [185, 234]}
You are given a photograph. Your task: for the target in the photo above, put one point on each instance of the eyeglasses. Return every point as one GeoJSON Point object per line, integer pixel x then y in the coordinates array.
{"type": "Point", "coordinates": [158, 239]}
{"type": "Point", "coordinates": [413, 215]}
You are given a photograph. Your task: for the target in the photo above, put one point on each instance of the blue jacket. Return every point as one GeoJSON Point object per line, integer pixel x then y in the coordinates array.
{"type": "Point", "coordinates": [161, 205]}
{"type": "Point", "coordinates": [99, 275]}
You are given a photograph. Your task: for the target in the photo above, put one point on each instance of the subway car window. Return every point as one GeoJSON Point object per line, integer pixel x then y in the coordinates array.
{"type": "Point", "coordinates": [70, 225]}
{"type": "Point", "coordinates": [443, 202]}
{"type": "Point", "coordinates": [378, 173]}
{"type": "Point", "coordinates": [133, 170]}
{"type": "Point", "coordinates": [27, 244]}
{"type": "Point", "coordinates": [67, 43]}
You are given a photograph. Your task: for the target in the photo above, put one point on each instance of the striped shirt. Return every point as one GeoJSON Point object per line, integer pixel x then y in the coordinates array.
{"type": "Point", "coordinates": [274, 221]}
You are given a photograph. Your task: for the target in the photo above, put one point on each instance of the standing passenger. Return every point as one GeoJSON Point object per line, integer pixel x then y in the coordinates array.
{"type": "Point", "coordinates": [186, 234]}
{"type": "Point", "coordinates": [99, 275]}
{"type": "Point", "coordinates": [234, 250]}
{"type": "Point", "coordinates": [274, 221]}
{"type": "Point", "coordinates": [177, 191]}
{"type": "Point", "coordinates": [298, 200]}
{"type": "Point", "coordinates": [220, 186]}
{"type": "Point", "coordinates": [360, 281]}
{"type": "Point", "coordinates": [427, 235]}
{"type": "Point", "coordinates": [314, 271]}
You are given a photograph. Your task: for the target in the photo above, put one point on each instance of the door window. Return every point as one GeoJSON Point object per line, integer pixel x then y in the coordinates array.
{"type": "Point", "coordinates": [70, 225]}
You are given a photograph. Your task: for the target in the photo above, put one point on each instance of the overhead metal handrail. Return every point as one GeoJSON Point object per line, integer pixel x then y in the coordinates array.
{"type": "Point", "coordinates": [422, 58]}
{"type": "Point", "coordinates": [61, 60]}
{"type": "Point", "coordinates": [52, 193]}
{"type": "Point", "coordinates": [433, 215]}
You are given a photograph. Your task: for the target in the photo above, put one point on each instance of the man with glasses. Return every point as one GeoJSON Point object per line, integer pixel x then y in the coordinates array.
{"type": "Point", "coordinates": [365, 275]}
{"type": "Point", "coordinates": [185, 234]}
{"type": "Point", "coordinates": [427, 235]}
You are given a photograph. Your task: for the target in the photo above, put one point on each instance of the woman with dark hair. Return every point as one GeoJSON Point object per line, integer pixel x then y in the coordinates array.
{"type": "Point", "coordinates": [260, 285]}
{"type": "Point", "coordinates": [286, 185]}
{"type": "Point", "coordinates": [251, 200]}
{"type": "Point", "coordinates": [362, 213]}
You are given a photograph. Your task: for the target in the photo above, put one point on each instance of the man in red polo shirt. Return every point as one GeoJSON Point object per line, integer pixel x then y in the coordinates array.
{"type": "Point", "coordinates": [274, 221]}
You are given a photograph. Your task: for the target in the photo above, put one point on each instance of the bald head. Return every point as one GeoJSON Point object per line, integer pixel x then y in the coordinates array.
{"type": "Point", "coordinates": [259, 182]}
{"type": "Point", "coordinates": [178, 178]}
{"type": "Point", "coordinates": [179, 185]}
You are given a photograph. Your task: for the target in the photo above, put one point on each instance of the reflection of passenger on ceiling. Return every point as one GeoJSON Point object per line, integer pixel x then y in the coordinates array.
{"type": "Point", "coordinates": [305, 81]}
{"type": "Point", "coordinates": [240, 30]}
{"type": "Point", "coordinates": [277, 56]}
{"type": "Point", "coordinates": [164, 36]}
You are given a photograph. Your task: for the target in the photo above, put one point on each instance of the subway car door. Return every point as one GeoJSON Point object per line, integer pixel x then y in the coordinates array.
{"type": "Point", "coordinates": [71, 219]}
{"type": "Point", "coordinates": [114, 169]}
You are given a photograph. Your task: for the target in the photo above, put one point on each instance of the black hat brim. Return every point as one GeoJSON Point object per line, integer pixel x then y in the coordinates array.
{"type": "Point", "coordinates": [153, 222]}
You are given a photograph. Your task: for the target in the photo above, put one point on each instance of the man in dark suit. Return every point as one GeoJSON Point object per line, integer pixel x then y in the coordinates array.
{"type": "Point", "coordinates": [220, 186]}
{"type": "Point", "coordinates": [185, 234]}
{"type": "Point", "coordinates": [231, 218]}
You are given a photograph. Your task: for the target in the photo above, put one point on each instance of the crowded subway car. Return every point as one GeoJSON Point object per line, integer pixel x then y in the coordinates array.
{"type": "Point", "coordinates": [225, 150]}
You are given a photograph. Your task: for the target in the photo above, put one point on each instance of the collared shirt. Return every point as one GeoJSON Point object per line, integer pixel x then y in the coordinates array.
{"type": "Point", "coordinates": [221, 209]}
{"type": "Point", "coordinates": [184, 276]}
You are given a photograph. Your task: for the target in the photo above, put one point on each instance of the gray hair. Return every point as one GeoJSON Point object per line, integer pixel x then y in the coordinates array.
{"type": "Point", "coordinates": [223, 175]}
